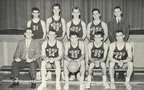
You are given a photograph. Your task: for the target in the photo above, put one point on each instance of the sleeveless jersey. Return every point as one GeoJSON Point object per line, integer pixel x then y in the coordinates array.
{"type": "Point", "coordinates": [37, 30]}
{"type": "Point", "coordinates": [120, 54]}
{"type": "Point", "coordinates": [94, 28]}
{"type": "Point", "coordinates": [74, 53]}
{"type": "Point", "coordinates": [52, 51]}
{"type": "Point", "coordinates": [97, 52]}
{"type": "Point", "coordinates": [57, 26]}
{"type": "Point", "coordinates": [76, 28]}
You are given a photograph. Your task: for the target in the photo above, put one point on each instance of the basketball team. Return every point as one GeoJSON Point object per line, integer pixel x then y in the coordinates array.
{"type": "Point", "coordinates": [74, 49]}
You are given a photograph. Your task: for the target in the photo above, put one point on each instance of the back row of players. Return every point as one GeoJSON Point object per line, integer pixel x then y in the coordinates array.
{"type": "Point", "coordinates": [120, 51]}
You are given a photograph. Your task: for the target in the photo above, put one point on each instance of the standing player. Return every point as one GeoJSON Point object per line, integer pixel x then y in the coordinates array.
{"type": "Point", "coordinates": [74, 51]}
{"type": "Point", "coordinates": [76, 24]}
{"type": "Point", "coordinates": [97, 51]}
{"type": "Point", "coordinates": [56, 22]}
{"type": "Point", "coordinates": [52, 52]}
{"type": "Point", "coordinates": [37, 25]}
{"type": "Point", "coordinates": [120, 56]}
{"type": "Point", "coordinates": [96, 25]}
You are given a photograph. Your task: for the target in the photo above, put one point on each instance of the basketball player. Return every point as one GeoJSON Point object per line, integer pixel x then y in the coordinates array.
{"type": "Point", "coordinates": [76, 24]}
{"type": "Point", "coordinates": [56, 22]}
{"type": "Point", "coordinates": [37, 25]}
{"type": "Point", "coordinates": [52, 52]}
{"type": "Point", "coordinates": [96, 25]}
{"type": "Point", "coordinates": [74, 51]}
{"type": "Point", "coordinates": [97, 51]}
{"type": "Point", "coordinates": [120, 56]}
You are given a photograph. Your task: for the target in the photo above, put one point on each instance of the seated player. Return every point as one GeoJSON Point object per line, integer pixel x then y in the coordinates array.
{"type": "Point", "coordinates": [52, 52]}
{"type": "Point", "coordinates": [97, 51]}
{"type": "Point", "coordinates": [74, 51]}
{"type": "Point", "coordinates": [120, 56]}
{"type": "Point", "coordinates": [26, 54]}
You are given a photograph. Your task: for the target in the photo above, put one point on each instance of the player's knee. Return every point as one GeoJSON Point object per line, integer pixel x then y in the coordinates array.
{"type": "Point", "coordinates": [103, 64]}
{"type": "Point", "coordinates": [130, 64]}
{"type": "Point", "coordinates": [57, 63]}
{"type": "Point", "coordinates": [112, 64]}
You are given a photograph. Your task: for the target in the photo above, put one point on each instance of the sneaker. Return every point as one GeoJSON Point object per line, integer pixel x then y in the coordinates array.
{"type": "Point", "coordinates": [128, 86]}
{"type": "Point", "coordinates": [66, 86]}
{"type": "Point", "coordinates": [113, 86]}
{"type": "Point", "coordinates": [14, 84]}
{"type": "Point", "coordinates": [81, 87]}
{"type": "Point", "coordinates": [33, 85]}
{"type": "Point", "coordinates": [87, 85]}
{"type": "Point", "coordinates": [58, 86]}
{"type": "Point", "coordinates": [72, 77]}
{"type": "Point", "coordinates": [106, 85]}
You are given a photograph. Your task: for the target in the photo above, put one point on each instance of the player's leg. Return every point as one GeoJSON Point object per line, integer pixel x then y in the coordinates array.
{"type": "Point", "coordinates": [82, 74]}
{"type": "Point", "coordinates": [58, 72]}
{"type": "Point", "coordinates": [91, 66]}
{"type": "Point", "coordinates": [66, 72]}
{"type": "Point", "coordinates": [104, 77]}
{"type": "Point", "coordinates": [111, 71]}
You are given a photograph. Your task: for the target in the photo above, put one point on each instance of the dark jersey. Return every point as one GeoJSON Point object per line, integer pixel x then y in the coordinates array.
{"type": "Point", "coordinates": [97, 52]}
{"type": "Point", "coordinates": [37, 30]}
{"type": "Point", "coordinates": [57, 26]}
{"type": "Point", "coordinates": [76, 28]}
{"type": "Point", "coordinates": [120, 54]}
{"type": "Point", "coordinates": [94, 28]}
{"type": "Point", "coordinates": [74, 53]}
{"type": "Point", "coordinates": [52, 51]}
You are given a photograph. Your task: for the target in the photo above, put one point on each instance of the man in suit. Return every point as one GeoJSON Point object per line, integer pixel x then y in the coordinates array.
{"type": "Point", "coordinates": [26, 55]}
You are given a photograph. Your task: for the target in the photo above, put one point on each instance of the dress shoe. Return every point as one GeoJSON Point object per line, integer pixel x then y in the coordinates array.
{"type": "Point", "coordinates": [14, 84]}
{"type": "Point", "coordinates": [33, 85]}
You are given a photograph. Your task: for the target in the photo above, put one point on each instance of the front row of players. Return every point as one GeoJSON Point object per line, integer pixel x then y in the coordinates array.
{"type": "Point", "coordinates": [28, 51]}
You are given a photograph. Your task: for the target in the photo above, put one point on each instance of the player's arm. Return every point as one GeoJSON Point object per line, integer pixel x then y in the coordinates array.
{"type": "Point", "coordinates": [105, 28]}
{"type": "Point", "coordinates": [105, 53]}
{"type": "Point", "coordinates": [29, 23]}
{"type": "Point", "coordinates": [68, 27]}
{"type": "Point", "coordinates": [88, 30]}
{"type": "Point", "coordinates": [111, 52]}
{"type": "Point", "coordinates": [89, 52]}
{"type": "Point", "coordinates": [67, 46]}
{"type": "Point", "coordinates": [48, 21]}
{"type": "Point", "coordinates": [84, 30]}
{"type": "Point", "coordinates": [44, 29]}
{"type": "Point", "coordinates": [129, 51]}
{"type": "Point", "coordinates": [63, 28]}
{"type": "Point", "coordinates": [43, 52]}
{"type": "Point", "coordinates": [81, 46]}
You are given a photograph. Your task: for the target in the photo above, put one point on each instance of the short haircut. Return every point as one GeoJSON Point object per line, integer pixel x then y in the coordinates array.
{"type": "Point", "coordinates": [58, 5]}
{"type": "Point", "coordinates": [28, 28]}
{"type": "Point", "coordinates": [99, 33]}
{"type": "Point", "coordinates": [117, 7]}
{"type": "Point", "coordinates": [76, 8]}
{"type": "Point", "coordinates": [35, 8]}
{"type": "Point", "coordinates": [119, 31]}
{"type": "Point", "coordinates": [95, 9]}
{"type": "Point", "coordinates": [74, 33]}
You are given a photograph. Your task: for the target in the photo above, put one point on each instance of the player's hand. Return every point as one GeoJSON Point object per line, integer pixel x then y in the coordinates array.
{"type": "Point", "coordinates": [17, 59]}
{"type": "Point", "coordinates": [120, 63]}
{"type": "Point", "coordinates": [97, 64]}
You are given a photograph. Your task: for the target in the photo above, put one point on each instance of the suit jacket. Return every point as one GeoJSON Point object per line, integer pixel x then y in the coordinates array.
{"type": "Point", "coordinates": [113, 27]}
{"type": "Point", "coordinates": [33, 51]}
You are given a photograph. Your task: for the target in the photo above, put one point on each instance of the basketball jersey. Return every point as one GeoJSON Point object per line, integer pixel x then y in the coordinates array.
{"type": "Point", "coordinates": [52, 51]}
{"type": "Point", "coordinates": [37, 30]}
{"type": "Point", "coordinates": [97, 52]}
{"type": "Point", "coordinates": [74, 53]}
{"type": "Point", "coordinates": [57, 26]}
{"type": "Point", "coordinates": [76, 28]}
{"type": "Point", "coordinates": [94, 28]}
{"type": "Point", "coordinates": [120, 54]}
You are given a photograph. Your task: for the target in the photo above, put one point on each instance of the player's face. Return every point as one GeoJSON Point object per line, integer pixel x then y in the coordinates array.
{"type": "Point", "coordinates": [117, 12]}
{"type": "Point", "coordinates": [51, 35]}
{"type": "Point", "coordinates": [96, 15]}
{"type": "Point", "coordinates": [74, 38]}
{"type": "Point", "coordinates": [56, 10]}
{"type": "Point", "coordinates": [28, 34]}
{"type": "Point", "coordinates": [35, 13]}
{"type": "Point", "coordinates": [119, 36]}
{"type": "Point", "coordinates": [76, 13]}
{"type": "Point", "coordinates": [98, 38]}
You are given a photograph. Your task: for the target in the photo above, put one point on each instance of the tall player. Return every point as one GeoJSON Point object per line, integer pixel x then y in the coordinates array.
{"type": "Point", "coordinates": [96, 25]}
{"type": "Point", "coordinates": [97, 51]}
{"type": "Point", "coordinates": [74, 51]}
{"type": "Point", "coordinates": [52, 53]}
{"type": "Point", "coordinates": [120, 56]}
{"type": "Point", "coordinates": [37, 25]}
{"type": "Point", "coordinates": [76, 24]}
{"type": "Point", "coordinates": [56, 22]}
